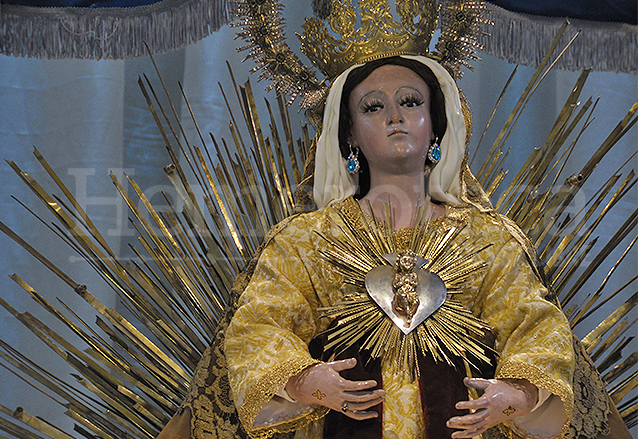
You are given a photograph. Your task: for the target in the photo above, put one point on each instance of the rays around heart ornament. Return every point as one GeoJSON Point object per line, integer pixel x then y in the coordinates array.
{"type": "Point", "coordinates": [401, 302]}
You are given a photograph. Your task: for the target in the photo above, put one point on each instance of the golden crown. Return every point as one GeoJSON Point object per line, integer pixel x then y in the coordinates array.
{"type": "Point", "coordinates": [378, 36]}
{"type": "Point", "coordinates": [354, 38]}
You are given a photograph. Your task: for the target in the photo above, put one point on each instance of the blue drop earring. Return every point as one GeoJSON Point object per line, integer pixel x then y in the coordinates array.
{"type": "Point", "coordinates": [353, 160]}
{"type": "Point", "coordinates": [434, 152]}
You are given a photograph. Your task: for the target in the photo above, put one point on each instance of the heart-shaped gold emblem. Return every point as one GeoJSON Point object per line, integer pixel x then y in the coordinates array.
{"type": "Point", "coordinates": [383, 288]}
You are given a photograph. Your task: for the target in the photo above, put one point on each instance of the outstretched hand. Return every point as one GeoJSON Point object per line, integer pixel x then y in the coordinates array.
{"type": "Point", "coordinates": [322, 384]}
{"type": "Point", "coordinates": [501, 401]}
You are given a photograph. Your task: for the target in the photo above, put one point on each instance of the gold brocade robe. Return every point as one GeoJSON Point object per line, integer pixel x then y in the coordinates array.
{"type": "Point", "coordinates": [267, 339]}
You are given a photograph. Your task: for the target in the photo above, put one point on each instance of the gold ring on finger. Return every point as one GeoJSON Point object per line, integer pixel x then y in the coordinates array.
{"type": "Point", "coordinates": [344, 407]}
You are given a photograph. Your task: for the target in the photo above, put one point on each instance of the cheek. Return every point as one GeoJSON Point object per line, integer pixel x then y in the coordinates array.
{"type": "Point", "coordinates": [424, 123]}
{"type": "Point", "coordinates": [365, 132]}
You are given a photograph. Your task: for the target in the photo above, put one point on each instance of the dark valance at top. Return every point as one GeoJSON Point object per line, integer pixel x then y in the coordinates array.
{"type": "Point", "coordinates": [619, 11]}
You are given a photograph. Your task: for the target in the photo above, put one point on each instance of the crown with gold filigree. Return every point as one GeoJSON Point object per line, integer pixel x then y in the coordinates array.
{"type": "Point", "coordinates": [356, 35]}
{"type": "Point", "coordinates": [378, 36]}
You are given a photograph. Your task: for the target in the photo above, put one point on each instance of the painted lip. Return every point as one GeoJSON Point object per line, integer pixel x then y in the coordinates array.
{"type": "Point", "coordinates": [393, 132]}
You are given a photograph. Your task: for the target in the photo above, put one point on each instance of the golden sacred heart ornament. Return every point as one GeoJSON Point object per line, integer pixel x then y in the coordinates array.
{"type": "Point", "coordinates": [405, 292]}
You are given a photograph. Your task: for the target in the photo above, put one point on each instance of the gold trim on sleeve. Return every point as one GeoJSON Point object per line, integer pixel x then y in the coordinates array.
{"type": "Point", "coordinates": [540, 378]}
{"type": "Point", "coordinates": [263, 391]}
{"type": "Point", "coordinates": [291, 425]}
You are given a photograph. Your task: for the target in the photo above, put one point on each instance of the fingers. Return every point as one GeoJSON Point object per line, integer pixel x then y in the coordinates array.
{"type": "Point", "coordinates": [363, 405]}
{"type": "Point", "coordinates": [477, 383]}
{"type": "Point", "coordinates": [469, 425]}
{"type": "Point", "coordinates": [468, 433]}
{"type": "Point", "coordinates": [467, 420]}
{"type": "Point", "coordinates": [358, 403]}
{"type": "Point", "coordinates": [358, 410]}
{"type": "Point", "coordinates": [365, 396]}
{"type": "Point", "coordinates": [322, 384]}
{"type": "Point", "coordinates": [361, 415]}
{"type": "Point", "coordinates": [473, 404]}
{"type": "Point", "coordinates": [357, 386]}
{"type": "Point", "coordinates": [500, 402]}
{"type": "Point", "coordinates": [340, 365]}
{"type": "Point", "coordinates": [347, 385]}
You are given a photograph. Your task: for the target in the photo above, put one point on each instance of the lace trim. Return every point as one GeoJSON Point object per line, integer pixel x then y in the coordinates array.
{"type": "Point", "coordinates": [213, 412]}
{"type": "Point", "coordinates": [263, 391]}
{"type": "Point", "coordinates": [540, 378]}
{"type": "Point", "coordinates": [591, 402]}
{"type": "Point", "coordinates": [289, 426]}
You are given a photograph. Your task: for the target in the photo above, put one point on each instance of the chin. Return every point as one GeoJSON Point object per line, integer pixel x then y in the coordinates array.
{"type": "Point", "coordinates": [407, 164]}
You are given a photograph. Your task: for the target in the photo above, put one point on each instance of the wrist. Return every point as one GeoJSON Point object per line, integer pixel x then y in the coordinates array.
{"type": "Point", "coordinates": [529, 390]}
{"type": "Point", "coordinates": [293, 387]}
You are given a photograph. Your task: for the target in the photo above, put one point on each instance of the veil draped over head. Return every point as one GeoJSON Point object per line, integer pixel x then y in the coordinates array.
{"type": "Point", "coordinates": [333, 182]}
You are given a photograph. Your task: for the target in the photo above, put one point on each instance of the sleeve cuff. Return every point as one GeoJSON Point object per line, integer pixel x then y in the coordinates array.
{"type": "Point", "coordinates": [543, 395]}
{"type": "Point", "coordinates": [268, 409]}
{"type": "Point", "coordinates": [284, 394]}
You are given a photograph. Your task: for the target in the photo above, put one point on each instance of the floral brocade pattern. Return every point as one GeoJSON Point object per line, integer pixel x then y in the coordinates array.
{"type": "Point", "coordinates": [277, 317]}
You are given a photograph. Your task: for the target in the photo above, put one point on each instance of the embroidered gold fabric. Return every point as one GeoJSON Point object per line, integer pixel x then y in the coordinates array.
{"type": "Point", "coordinates": [264, 390]}
{"type": "Point", "coordinates": [454, 217]}
{"type": "Point", "coordinates": [213, 411]}
{"type": "Point", "coordinates": [214, 414]}
{"type": "Point", "coordinates": [291, 281]}
{"type": "Point", "coordinates": [279, 431]}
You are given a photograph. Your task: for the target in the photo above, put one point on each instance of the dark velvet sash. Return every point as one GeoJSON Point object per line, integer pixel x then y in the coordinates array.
{"type": "Point", "coordinates": [441, 388]}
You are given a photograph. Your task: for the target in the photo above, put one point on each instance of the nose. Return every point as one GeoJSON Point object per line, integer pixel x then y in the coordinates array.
{"type": "Point", "coordinates": [394, 114]}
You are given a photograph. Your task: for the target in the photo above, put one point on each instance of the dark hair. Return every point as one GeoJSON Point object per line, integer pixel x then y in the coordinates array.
{"type": "Point", "coordinates": [356, 77]}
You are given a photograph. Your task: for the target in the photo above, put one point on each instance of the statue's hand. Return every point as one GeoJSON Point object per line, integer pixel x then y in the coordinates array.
{"type": "Point", "coordinates": [321, 384]}
{"type": "Point", "coordinates": [501, 401]}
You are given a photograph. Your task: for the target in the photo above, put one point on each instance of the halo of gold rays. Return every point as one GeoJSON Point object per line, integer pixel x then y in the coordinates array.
{"type": "Point", "coordinates": [451, 331]}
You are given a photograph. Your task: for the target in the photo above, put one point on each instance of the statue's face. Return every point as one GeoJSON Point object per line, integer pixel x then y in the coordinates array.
{"type": "Point", "coordinates": [391, 120]}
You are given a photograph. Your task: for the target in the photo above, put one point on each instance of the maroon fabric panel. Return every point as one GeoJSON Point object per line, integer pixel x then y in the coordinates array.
{"type": "Point", "coordinates": [441, 388]}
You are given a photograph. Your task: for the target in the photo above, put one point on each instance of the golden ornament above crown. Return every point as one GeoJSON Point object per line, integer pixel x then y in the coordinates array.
{"type": "Point", "coordinates": [378, 35]}
{"type": "Point", "coordinates": [356, 35]}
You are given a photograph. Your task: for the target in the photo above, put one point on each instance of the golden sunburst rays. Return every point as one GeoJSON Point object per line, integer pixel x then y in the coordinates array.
{"type": "Point", "coordinates": [358, 246]}
{"type": "Point", "coordinates": [137, 366]}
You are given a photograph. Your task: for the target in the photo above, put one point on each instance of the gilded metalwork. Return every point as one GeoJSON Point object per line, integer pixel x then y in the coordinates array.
{"type": "Point", "coordinates": [367, 255]}
{"type": "Point", "coordinates": [406, 293]}
{"type": "Point", "coordinates": [334, 50]}
{"type": "Point", "coordinates": [339, 45]}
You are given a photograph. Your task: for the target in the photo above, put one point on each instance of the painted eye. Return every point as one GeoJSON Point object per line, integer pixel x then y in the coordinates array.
{"type": "Point", "coordinates": [411, 101]}
{"type": "Point", "coordinates": [372, 106]}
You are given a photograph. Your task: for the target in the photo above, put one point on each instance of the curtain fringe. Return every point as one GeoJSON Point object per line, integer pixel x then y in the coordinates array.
{"type": "Point", "coordinates": [108, 33]}
{"type": "Point", "coordinates": [524, 39]}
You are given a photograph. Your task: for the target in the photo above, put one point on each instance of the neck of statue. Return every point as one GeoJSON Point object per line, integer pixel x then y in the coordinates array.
{"type": "Point", "coordinates": [404, 193]}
